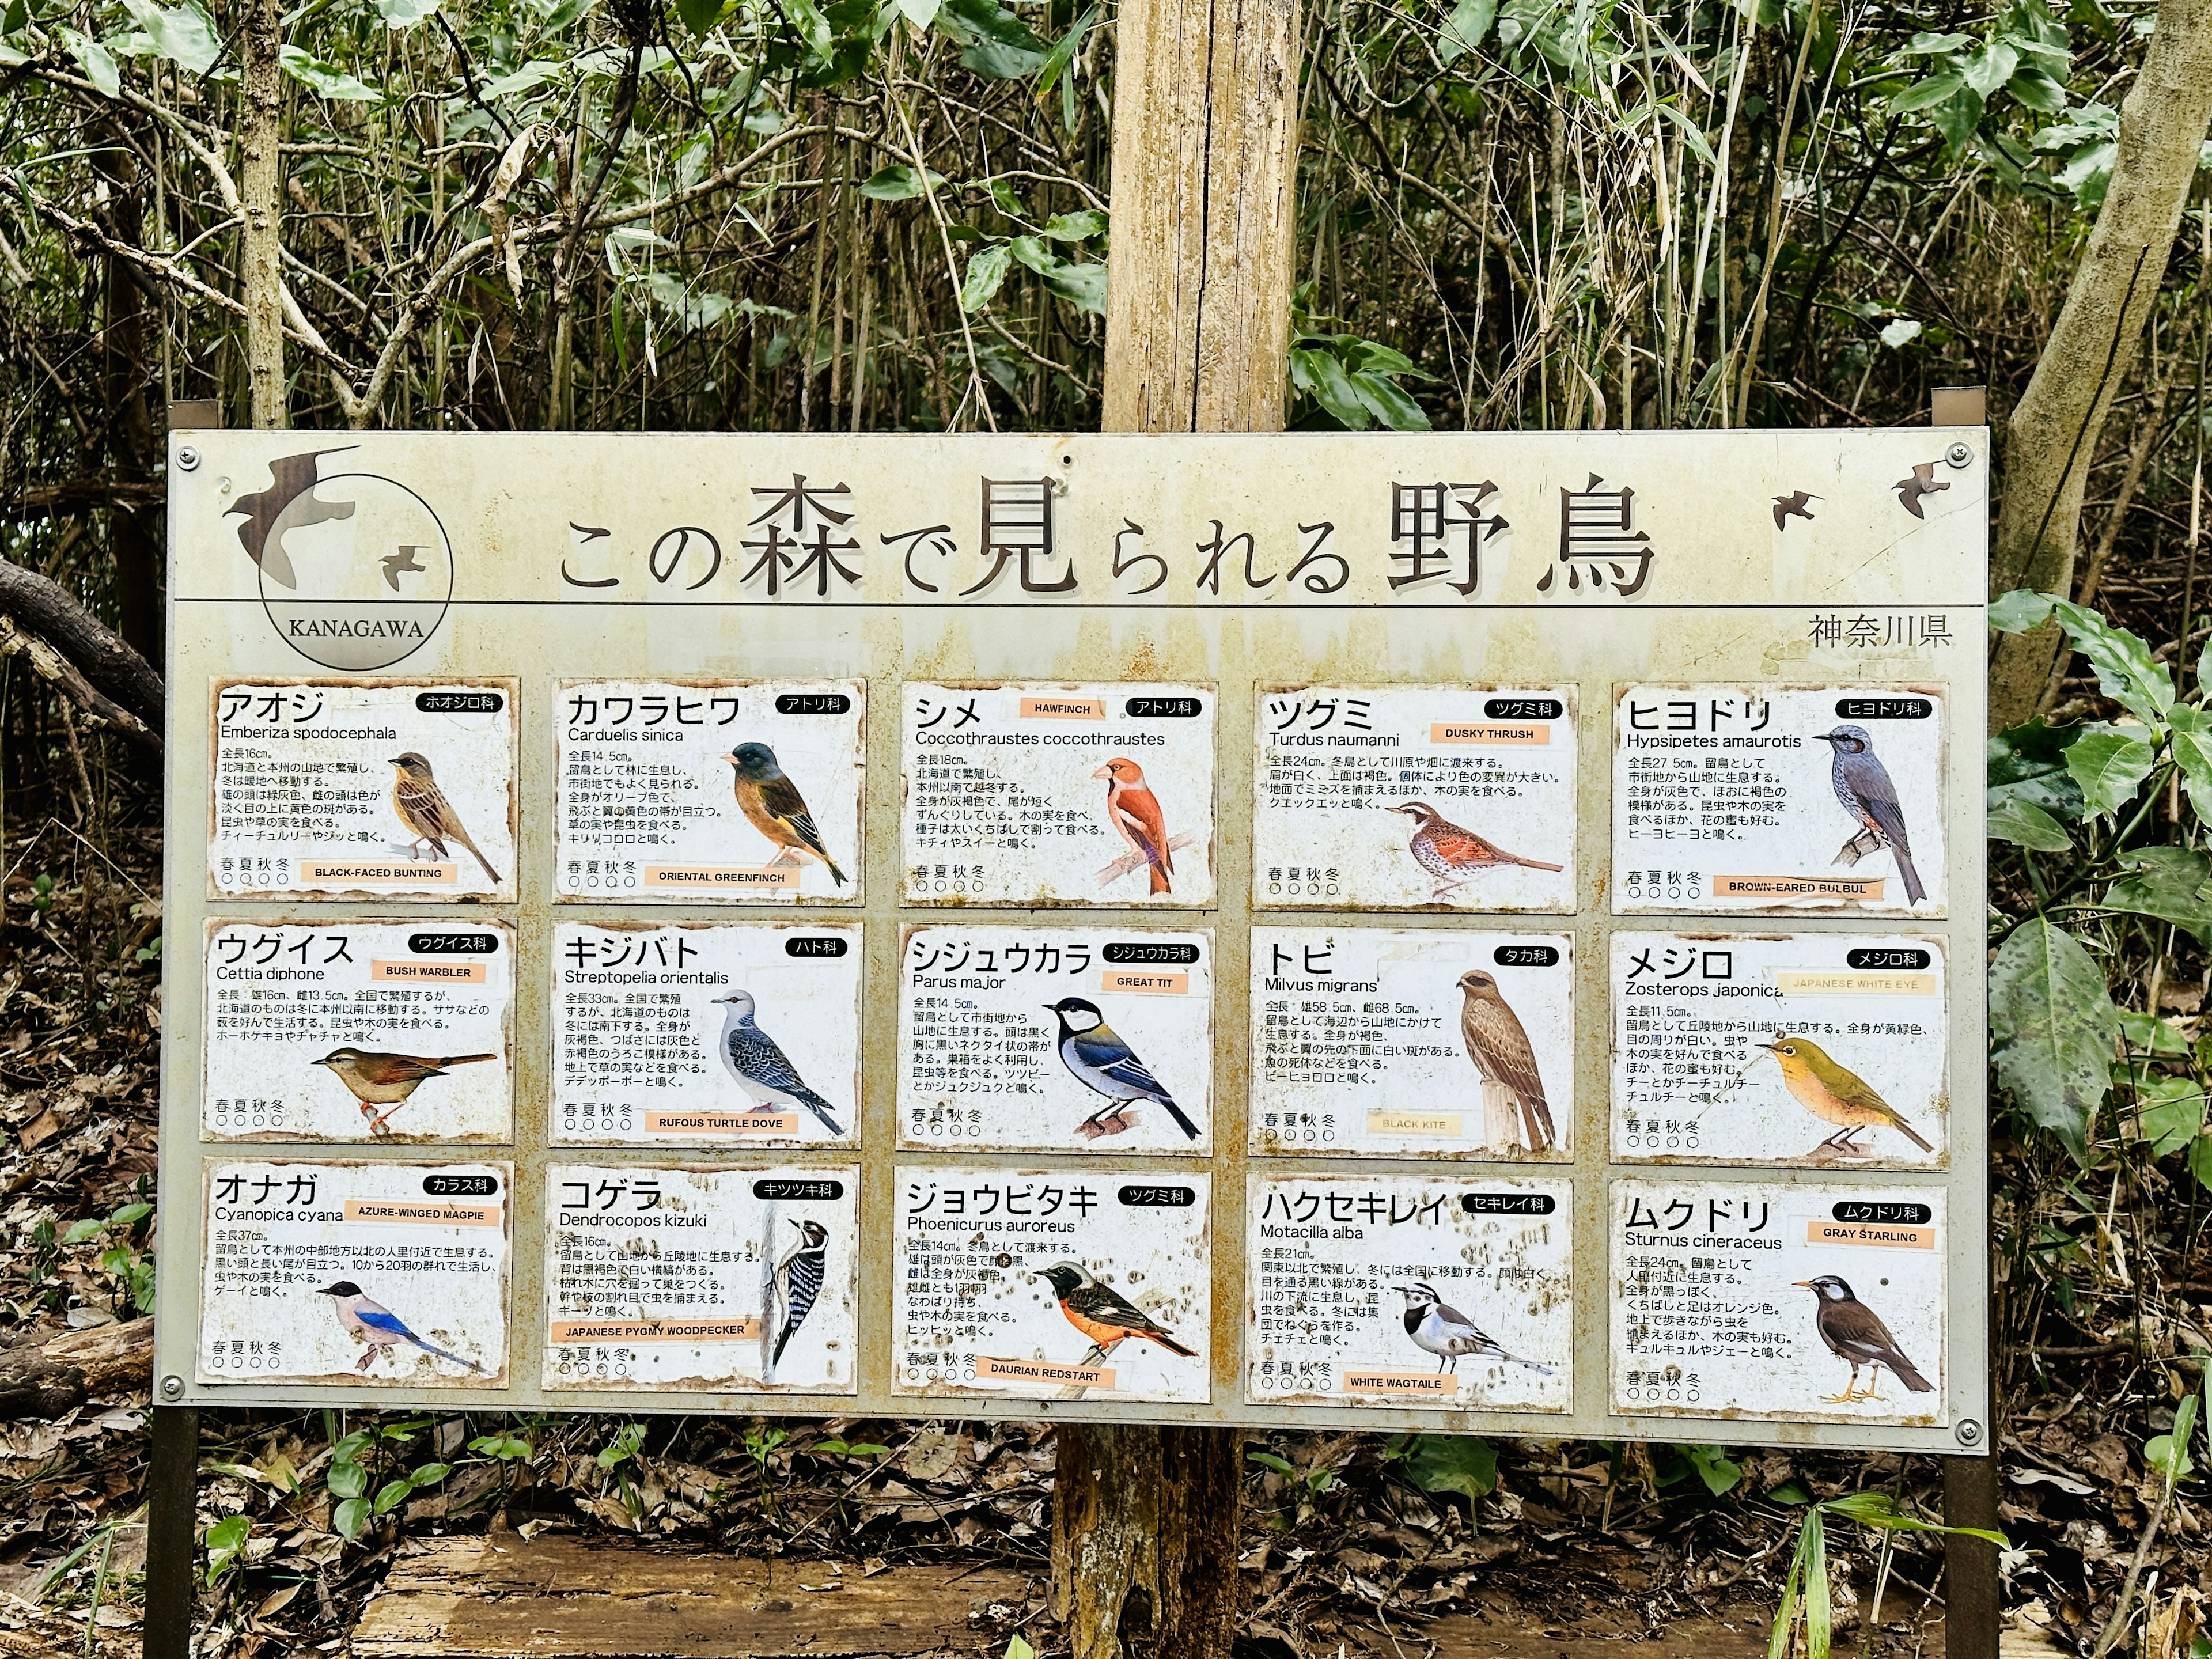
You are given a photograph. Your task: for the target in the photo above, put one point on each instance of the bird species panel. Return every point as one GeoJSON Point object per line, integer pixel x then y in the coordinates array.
{"type": "Point", "coordinates": [1814, 1303]}
{"type": "Point", "coordinates": [1095, 793]}
{"type": "Point", "coordinates": [1395, 1289]}
{"type": "Point", "coordinates": [1730, 798]}
{"type": "Point", "coordinates": [382, 1273]}
{"type": "Point", "coordinates": [1080, 1282]}
{"type": "Point", "coordinates": [366, 788]}
{"type": "Point", "coordinates": [685, 1277]}
{"type": "Point", "coordinates": [706, 1034]}
{"type": "Point", "coordinates": [1805, 1048]}
{"type": "Point", "coordinates": [1056, 1039]}
{"type": "Point", "coordinates": [1414, 797]}
{"type": "Point", "coordinates": [358, 1030]}
{"type": "Point", "coordinates": [1411, 1042]}
{"type": "Point", "coordinates": [688, 792]}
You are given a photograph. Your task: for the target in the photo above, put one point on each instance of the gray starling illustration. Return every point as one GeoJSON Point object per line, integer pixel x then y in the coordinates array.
{"type": "Point", "coordinates": [758, 1066]}
{"type": "Point", "coordinates": [1863, 790]}
{"type": "Point", "coordinates": [1855, 1332]}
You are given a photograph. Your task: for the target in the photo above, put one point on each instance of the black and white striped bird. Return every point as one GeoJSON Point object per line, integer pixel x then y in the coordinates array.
{"type": "Point", "coordinates": [1442, 1329]}
{"type": "Point", "coordinates": [1094, 1051]}
{"type": "Point", "coordinates": [796, 1284]}
{"type": "Point", "coordinates": [758, 1066]}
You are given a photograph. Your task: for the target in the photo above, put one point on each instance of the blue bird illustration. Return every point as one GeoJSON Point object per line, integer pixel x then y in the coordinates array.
{"type": "Point", "coordinates": [758, 1066]}
{"type": "Point", "coordinates": [1863, 790]}
{"type": "Point", "coordinates": [1095, 1053]}
{"type": "Point", "coordinates": [377, 1326]}
{"type": "Point", "coordinates": [797, 1283]}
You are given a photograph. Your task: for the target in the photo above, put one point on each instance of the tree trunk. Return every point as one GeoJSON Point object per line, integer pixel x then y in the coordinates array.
{"type": "Point", "coordinates": [2051, 438]}
{"type": "Point", "coordinates": [261, 178]}
{"type": "Point", "coordinates": [1198, 321]}
{"type": "Point", "coordinates": [126, 372]}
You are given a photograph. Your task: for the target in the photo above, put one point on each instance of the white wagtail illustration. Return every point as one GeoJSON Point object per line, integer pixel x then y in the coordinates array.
{"type": "Point", "coordinates": [1443, 1330]}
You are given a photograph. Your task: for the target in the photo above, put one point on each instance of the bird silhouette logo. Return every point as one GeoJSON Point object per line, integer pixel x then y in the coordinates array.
{"type": "Point", "coordinates": [1854, 1333]}
{"type": "Point", "coordinates": [1097, 1058]}
{"type": "Point", "coordinates": [1922, 483]}
{"type": "Point", "coordinates": [1792, 506]}
{"type": "Point", "coordinates": [1863, 790]}
{"type": "Point", "coordinates": [291, 478]}
{"type": "Point", "coordinates": [1438, 1327]}
{"type": "Point", "coordinates": [408, 561]}
{"type": "Point", "coordinates": [755, 1062]}
{"type": "Point", "coordinates": [377, 1328]}
{"type": "Point", "coordinates": [1836, 1094]}
{"type": "Point", "coordinates": [1498, 1045]}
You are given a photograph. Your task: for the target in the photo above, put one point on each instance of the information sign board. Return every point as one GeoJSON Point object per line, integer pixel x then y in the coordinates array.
{"type": "Point", "coordinates": [1193, 929]}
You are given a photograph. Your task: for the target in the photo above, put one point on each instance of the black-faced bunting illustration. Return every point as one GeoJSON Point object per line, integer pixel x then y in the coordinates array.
{"type": "Point", "coordinates": [1498, 1045]}
{"type": "Point", "coordinates": [1863, 790]}
{"type": "Point", "coordinates": [1854, 1332]}
{"type": "Point", "coordinates": [428, 815]}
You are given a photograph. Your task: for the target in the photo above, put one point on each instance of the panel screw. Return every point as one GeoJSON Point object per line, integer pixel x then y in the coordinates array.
{"type": "Point", "coordinates": [188, 458]}
{"type": "Point", "coordinates": [173, 1388]}
{"type": "Point", "coordinates": [1969, 1432]}
{"type": "Point", "coordinates": [1959, 454]}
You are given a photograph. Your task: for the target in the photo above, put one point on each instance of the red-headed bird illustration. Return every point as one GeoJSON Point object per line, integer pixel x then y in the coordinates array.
{"type": "Point", "coordinates": [1131, 809]}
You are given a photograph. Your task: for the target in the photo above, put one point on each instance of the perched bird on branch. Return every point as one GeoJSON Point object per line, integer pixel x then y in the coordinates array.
{"type": "Point", "coordinates": [378, 1325]}
{"type": "Point", "coordinates": [1453, 855]}
{"type": "Point", "coordinates": [1132, 808]}
{"type": "Point", "coordinates": [428, 815]}
{"type": "Point", "coordinates": [1855, 1332]}
{"type": "Point", "coordinates": [1863, 790]}
{"type": "Point", "coordinates": [772, 804]}
{"type": "Point", "coordinates": [796, 1285]}
{"type": "Point", "coordinates": [1835, 1094]}
{"type": "Point", "coordinates": [1095, 1056]}
{"type": "Point", "coordinates": [757, 1063]}
{"type": "Point", "coordinates": [387, 1081]}
{"type": "Point", "coordinates": [1104, 1313]}
{"type": "Point", "coordinates": [1443, 1330]}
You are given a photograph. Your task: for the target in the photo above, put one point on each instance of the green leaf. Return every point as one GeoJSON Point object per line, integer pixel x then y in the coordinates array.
{"type": "Point", "coordinates": [1792, 1492]}
{"type": "Point", "coordinates": [986, 273]}
{"type": "Point", "coordinates": [1713, 1468]}
{"type": "Point", "coordinates": [2110, 765]}
{"type": "Point", "coordinates": [2169, 1113]}
{"type": "Point", "coordinates": [1082, 285]}
{"type": "Point", "coordinates": [2169, 1453]}
{"type": "Point", "coordinates": [1991, 67]}
{"type": "Point", "coordinates": [1063, 53]}
{"type": "Point", "coordinates": [81, 1230]}
{"type": "Point", "coordinates": [1926, 94]}
{"type": "Point", "coordinates": [1267, 1460]}
{"type": "Point", "coordinates": [2028, 764]}
{"type": "Point", "coordinates": [428, 1475]}
{"type": "Point", "coordinates": [94, 59]}
{"type": "Point", "coordinates": [350, 1519]}
{"type": "Point", "coordinates": [896, 184]}
{"type": "Point", "coordinates": [2173, 884]}
{"type": "Point", "coordinates": [1464, 29]}
{"type": "Point", "coordinates": [394, 1493]}
{"type": "Point", "coordinates": [1453, 1462]}
{"type": "Point", "coordinates": [1924, 43]}
{"type": "Point", "coordinates": [1079, 227]}
{"type": "Point", "coordinates": [224, 1540]}
{"type": "Point", "coordinates": [1017, 1649]}
{"type": "Point", "coordinates": [185, 36]}
{"type": "Point", "coordinates": [2146, 1033]}
{"type": "Point", "coordinates": [1321, 374]}
{"type": "Point", "coordinates": [2189, 740]}
{"type": "Point", "coordinates": [1879, 1510]}
{"type": "Point", "coordinates": [325, 79]}
{"type": "Point", "coordinates": [2200, 1160]}
{"type": "Point", "coordinates": [130, 1215]}
{"type": "Point", "coordinates": [699, 15]}
{"type": "Point", "coordinates": [2025, 824]}
{"type": "Point", "coordinates": [2126, 670]}
{"type": "Point", "coordinates": [2052, 1027]}
{"type": "Point", "coordinates": [507, 1448]}
{"type": "Point", "coordinates": [2038, 90]}
{"type": "Point", "coordinates": [999, 44]}
{"type": "Point", "coordinates": [1388, 401]}
{"type": "Point", "coordinates": [920, 13]}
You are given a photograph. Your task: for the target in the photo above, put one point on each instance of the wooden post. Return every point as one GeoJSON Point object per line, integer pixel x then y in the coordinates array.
{"type": "Point", "coordinates": [1197, 319]}
{"type": "Point", "coordinates": [1973, 1610]}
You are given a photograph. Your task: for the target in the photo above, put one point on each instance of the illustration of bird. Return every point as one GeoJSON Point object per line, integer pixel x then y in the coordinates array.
{"type": "Point", "coordinates": [1104, 1313]}
{"type": "Point", "coordinates": [796, 1283]}
{"type": "Point", "coordinates": [290, 478]}
{"type": "Point", "coordinates": [1499, 1048]}
{"type": "Point", "coordinates": [1132, 808]}
{"type": "Point", "coordinates": [1836, 1094]}
{"type": "Point", "coordinates": [428, 815]}
{"type": "Point", "coordinates": [1101, 1062]}
{"type": "Point", "coordinates": [1863, 790]}
{"type": "Point", "coordinates": [759, 1068]}
{"type": "Point", "coordinates": [772, 804]}
{"type": "Point", "coordinates": [1443, 1330]}
{"type": "Point", "coordinates": [375, 1078]}
{"type": "Point", "coordinates": [378, 1325]}
{"type": "Point", "coordinates": [404, 560]}
{"type": "Point", "coordinates": [1453, 855]}
{"type": "Point", "coordinates": [1923, 481]}
{"type": "Point", "coordinates": [1792, 506]}
{"type": "Point", "coordinates": [1855, 1332]}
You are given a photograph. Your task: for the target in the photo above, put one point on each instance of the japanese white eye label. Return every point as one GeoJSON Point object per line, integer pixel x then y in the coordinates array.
{"type": "Point", "coordinates": [688, 792]}
{"type": "Point", "coordinates": [1822, 1303]}
{"type": "Point", "coordinates": [1058, 794]}
{"type": "Point", "coordinates": [1410, 1290]}
{"type": "Point", "coordinates": [1409, 1042]}
{"type": "Point", "coordinates": [699, 1034]}
{"type": "Point", "coordinates": [356, 1273]}
{"type": "Point", "coordinates": [1811, 1049]}
{"type": "Point", "coordinates": [357, 1031]}
{"type": "Point", "coordinates": [1056, 1039]}
{"type": "Point", "coordinates": [371, 788]}
{"type": "Point", "coordinates": [1413, 797]}
{"type": "Point", "coordinates": [734, 1280]}
{"type": "Point", "coordinates": [1078, 1283]}
{"type": "Point", "coordinates": [1778, 798]}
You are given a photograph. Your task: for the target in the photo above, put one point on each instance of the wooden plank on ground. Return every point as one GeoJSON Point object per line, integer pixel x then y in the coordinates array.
{"type": "Point", "coordinates": [557, 1597]}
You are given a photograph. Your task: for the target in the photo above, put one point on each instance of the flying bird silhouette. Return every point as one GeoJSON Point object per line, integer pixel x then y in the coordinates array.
{"type": "Point", "coordinates": [1439, 1328]}
{"type": "Point", "coordinates": [1855, 1332]}
{"type": "Point", "coordinates": [797, 1283]}
{"type": "Point", "coordinates": [404, 560]}
{"type": "Point", "coordinates": [772, 804]}
{"type": "Point", "coordinates": [377, 1326]}
{"type": "Point", "coordinates": [1499, 1048]}
{"type": "Point", "coordinates": [291, 476]}
{"type": "Point", "coordinates": [1923, 481]}
{"type": "Point", "coordinates": [1792, 506]}
{"type": "Point", "coordinates": [1863, 790]}
{"type": "Point", "coordinates": [757, 1065]}
{"type": "Point", "coordinates": [1095, 1055]}
{"type": "Point", "coordinates": [1132, 808]}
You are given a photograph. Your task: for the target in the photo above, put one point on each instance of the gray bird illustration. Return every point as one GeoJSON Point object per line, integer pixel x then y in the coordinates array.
{"type": "Point", "coordinates": [404, 560]}
{"type": "Point", "coordinates": [1441, 1330]}
{"type": "Point", "coordinates": [377, 1326]}
{"type": "Point", "coordinates": [290, 478]}
{"type": "Point", "coordinates": [758, 1066]}
{"type": "Point", "coordinates": [1792, 506]}
{"type": "Point", "coordinates": [797, 1283]}
{"type": "Point", "coordinates": [1095, 1055]}
{"type": "Point", "coordinates": [1863, 790]}
{"type": "Point", "coordinates": [1923, 481]}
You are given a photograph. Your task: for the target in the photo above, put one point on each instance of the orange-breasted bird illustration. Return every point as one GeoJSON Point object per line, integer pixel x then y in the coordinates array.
{"type": "Point", "coordinates": [1104, 1313]}
{"type": "Point", "coordinates": [1836, 1094]}
{"type": "Point", "coordinates": [423, 808]}
{"type": "Point", "coordinates": [1453, 855]}
{"type": "Point", "coordinates": [1131, 809]}
{"type": "Point", "coordinates": [377, 1079]}
{"type": "Point", "coordinates": [1855, 1332]}
{"type": "Point", "coordinates": [772, 804]}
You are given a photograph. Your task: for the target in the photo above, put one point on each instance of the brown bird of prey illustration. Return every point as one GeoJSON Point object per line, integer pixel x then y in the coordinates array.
{"type": "Point", "coordinates": [428, 815]}
{"type": "Point", "coordinates": [772, 804]}
{"type": "Point", "coordinates": [1792, 506]}
{"type": "Point", "coordinates": [1855, 1332]}
{"type": "Point", "coordinates": [1500, 1050]}
{"type": "Point", "coordinates": [378, 1080]}
{"type": "Point", "coordinates": [1453, 855]}
{"type": "Point", "coordinates": [291, 476]}
{"type": "Point", "coordinates": [1923, 481]}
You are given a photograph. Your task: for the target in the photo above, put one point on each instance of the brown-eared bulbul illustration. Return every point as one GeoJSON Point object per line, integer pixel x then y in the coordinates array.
{"type": "Point", "coordinates": [1855, 1332]}
{"type": "Point", "coordinates": [796, 1284]}
{"type": "Point", "coordinates": [290, 478]}
{"type": "Point", "coordinates": [377, 1326]}
{"type": "Point", "coordinates": [1836, 1094]}
{"type": "Point", "coordinates": [757, 1065]}
{"type": "Point", "coordinates": [1438, 1327]}
{"type": "Point", "coordinates": [772, 804]}
{"type": "Point", "coordinates": [1863, 790]}
{"type": "Point", "coordinates": [1104, 1313]}
{"type": "Point", "coordinates": [1499, 1048]}
{"type": "Point", "coordinates": [1792, 506]}
{"type": "Point", "coordinates": [429, 817]}
{"type": "Point", "coordinates": [1095, 1055]}
{"type": "Point", "coordinates": [377, 1079]}
{"type": "Point", "coordinates": [1453, 855]}
{"type": "Point", "coordinates": [1132, 808]}
{"type": "Point", "coordinates": [1923, 482]}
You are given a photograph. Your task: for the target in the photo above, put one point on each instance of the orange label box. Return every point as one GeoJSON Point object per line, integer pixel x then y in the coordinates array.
{"type": "Point", "coordinates": [1486, 735]}
{"type": "Point", "coordinates": [1870, 1234]}
{"type": "Point", "coordinates": [401, 872]}
{"type": "Point", "coordinates": [739, 879]}
{"type": "Point", "coordinates": [1040, 1370]}
{"type": "Point", "coordinates": [429, 973]}
{"type": "Point", "coordinates": [1798, 887]}
{"type": "Point", "coordinates": [561, 1332]}
{"type": "Point", "coordinates": [1063, 709]}
{"type": "Point", "coordinates": [394, 1214]}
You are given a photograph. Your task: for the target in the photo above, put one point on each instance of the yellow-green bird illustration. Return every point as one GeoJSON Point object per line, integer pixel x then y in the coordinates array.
{"type": "Point", "coordinates": [1836, 1094]}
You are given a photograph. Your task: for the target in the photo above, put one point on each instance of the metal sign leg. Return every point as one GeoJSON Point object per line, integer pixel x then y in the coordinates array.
{"type": "Point", "coordinates": [171, 1482]}
{"type": "Point", "coordinates": [1973, 1610]}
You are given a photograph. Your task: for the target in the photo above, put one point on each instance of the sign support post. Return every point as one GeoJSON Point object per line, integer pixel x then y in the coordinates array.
{"type": "Point", "coordinates": [172, 1479]}
{"type": "Point", "coordinates": [1204, 176]}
